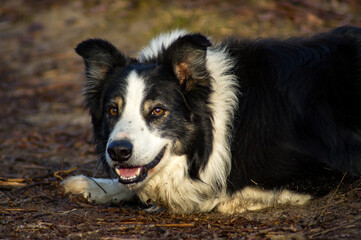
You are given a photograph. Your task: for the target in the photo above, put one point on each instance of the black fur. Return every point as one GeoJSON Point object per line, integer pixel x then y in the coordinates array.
{"type": "Point", "coordinates": [300, 110]}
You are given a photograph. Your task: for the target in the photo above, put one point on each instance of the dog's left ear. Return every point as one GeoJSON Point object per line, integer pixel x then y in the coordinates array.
{"type": "Point", "coordinates": [100, 57]}
{"type": "Point", "coordinates": [188, 58]}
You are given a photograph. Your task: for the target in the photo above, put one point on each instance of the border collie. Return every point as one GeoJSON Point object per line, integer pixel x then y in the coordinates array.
{"type": "Point", "coordinates": [191, 126]}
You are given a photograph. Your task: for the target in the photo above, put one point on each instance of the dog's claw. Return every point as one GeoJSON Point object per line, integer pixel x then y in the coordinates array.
{"type": "Point", "coordinates": [154, 209]}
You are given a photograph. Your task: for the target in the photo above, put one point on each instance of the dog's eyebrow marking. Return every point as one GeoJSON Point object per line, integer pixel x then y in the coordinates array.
{"type": "Point", "coordinates": [119, 102]}
{"type": "Point", "coordinates": [148, 104]}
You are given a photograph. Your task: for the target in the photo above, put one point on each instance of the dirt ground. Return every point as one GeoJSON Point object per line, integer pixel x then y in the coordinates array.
{"type": "Point", "coordinates": [45, 134]}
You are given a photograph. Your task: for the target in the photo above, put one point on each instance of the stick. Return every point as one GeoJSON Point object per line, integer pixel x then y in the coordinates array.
{"type": "Point", "coordinates": [347, 225]}
{"type": "Point", "coordinates": [329, 200]}
{"type": "Point", "coordinates": [175, 225]}
{"type": "Point", "coordinates": [56, 174]}
{"type": "Point", "coordinates": [11, 184]}
{"type": "Point", "coordinates": [132, 226]}
{"type": "Point", "coordinates": [19, 210]}
{"type": "Point", "coordinates": [98, 184]}
{"type": "Point", "coordinates": [20, 183]}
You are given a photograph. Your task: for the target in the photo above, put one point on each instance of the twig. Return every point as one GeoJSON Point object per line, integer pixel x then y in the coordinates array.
{"type": "Point", "coordinates": [331, 197]}
{"type": "Point", "coordinates": [97, 184]}
{"type": "Point", "coordinates": [66, 212]}
{"type": "Point", "coordinates": [18, 180]}
{"type": "Point", "coordinates": [34, 185]}
{"type": "Point", "coordinates": [21, 183]}
{"type": "Point", "coordinates": [56, 174]}
{"type": "Point", "coordinates": [19, 210]}
{"type": "Point", "coordinates": [6, 202]}
{"type": "Point", "coordinates": [11, 184]}
{"type": "Point", "coordinates": [335, 228]}
{"type": "Point", "coordinates": [175, 225]}
{"type": "Point", "coordinates": [132, 226]}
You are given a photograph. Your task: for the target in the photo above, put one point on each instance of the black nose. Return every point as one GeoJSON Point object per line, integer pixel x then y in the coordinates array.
{"type": "Point", "coordinates": [120, 150]}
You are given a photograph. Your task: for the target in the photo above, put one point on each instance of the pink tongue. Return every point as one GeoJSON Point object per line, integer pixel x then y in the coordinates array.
{"type": "Point", "coordinates": [128, 172]}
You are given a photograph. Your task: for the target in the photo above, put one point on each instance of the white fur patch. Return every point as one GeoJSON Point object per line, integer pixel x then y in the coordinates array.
{"type": "Point", "coordinates": [250, 199]}
{"type": "Point", "coordinates": [223, 102]}
{"type": "Point", "coordinates": [159, 43]}
{"type": "Point", "coordinates": [171, 188]}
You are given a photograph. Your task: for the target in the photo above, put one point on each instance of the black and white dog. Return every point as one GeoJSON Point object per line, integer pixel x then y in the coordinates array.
{"type": "Point", "coordinates": [192, 127]}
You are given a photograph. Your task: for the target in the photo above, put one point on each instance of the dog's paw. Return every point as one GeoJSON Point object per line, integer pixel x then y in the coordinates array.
{"type": "Point", "coordinates": [99, 191]}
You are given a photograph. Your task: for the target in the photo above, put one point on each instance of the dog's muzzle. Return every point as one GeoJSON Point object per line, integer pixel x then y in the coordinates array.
{"type": "Point", "coordinates": [120, 152]}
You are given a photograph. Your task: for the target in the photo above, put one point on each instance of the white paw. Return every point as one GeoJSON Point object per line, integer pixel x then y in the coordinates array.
{"type": "Point", "coordinates": [95, 190]}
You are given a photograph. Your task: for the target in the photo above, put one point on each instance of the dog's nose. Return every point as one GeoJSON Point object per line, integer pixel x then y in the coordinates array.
{"type": "Point", "coordinates": [120, 150]}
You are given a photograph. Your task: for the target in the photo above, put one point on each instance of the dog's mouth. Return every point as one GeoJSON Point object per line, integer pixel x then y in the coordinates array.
{"type": "Point", "coordinates": [137, 174]}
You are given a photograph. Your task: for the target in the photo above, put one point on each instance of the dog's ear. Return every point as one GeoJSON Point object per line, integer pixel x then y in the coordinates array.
{"type": "Point", "coordinates": [99, 58]}
{"type": "Point", "coordinates": [188, 58]}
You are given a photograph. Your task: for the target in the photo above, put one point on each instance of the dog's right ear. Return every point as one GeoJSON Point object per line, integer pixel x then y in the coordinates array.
{"type": "Point", "coordinates": [99, 58]}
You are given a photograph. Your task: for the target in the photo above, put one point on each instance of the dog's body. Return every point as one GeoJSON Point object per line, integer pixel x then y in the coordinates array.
{"type": "Point", "coordinates": [237, 126]}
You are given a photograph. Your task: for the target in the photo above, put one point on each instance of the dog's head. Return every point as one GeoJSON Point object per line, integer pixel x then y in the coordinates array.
{"type": "Point", "coordinates": [144, 112]}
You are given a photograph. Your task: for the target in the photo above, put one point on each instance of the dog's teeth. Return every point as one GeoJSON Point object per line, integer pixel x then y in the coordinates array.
{"type": "Point", "coordinates": [128, 178]}
{"type": "Point", "coordinates": [117, 170]}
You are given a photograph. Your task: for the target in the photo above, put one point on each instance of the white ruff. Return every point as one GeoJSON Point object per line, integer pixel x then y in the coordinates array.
{"type": "Point", "coordinates": [171, 188]}
{"type": "Point", "coordinates": [223, 102]}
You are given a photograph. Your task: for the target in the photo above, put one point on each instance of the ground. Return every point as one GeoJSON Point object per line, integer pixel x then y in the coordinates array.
{"type": "Point", "coordinates": [45, 133]}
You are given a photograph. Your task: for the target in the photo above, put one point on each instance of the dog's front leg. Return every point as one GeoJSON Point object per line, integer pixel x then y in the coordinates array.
{"type": "Point", "coordinates": [97, 190]}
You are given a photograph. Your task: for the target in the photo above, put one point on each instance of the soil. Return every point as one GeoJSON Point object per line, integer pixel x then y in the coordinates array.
{"type": "Point", "coordinates": [45, 133]}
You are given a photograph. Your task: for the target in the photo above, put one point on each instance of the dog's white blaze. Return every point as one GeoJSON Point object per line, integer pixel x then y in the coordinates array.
{"type": "Point", "coordinates": [132, 126]}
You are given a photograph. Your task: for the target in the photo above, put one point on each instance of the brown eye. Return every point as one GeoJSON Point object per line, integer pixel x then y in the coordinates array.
{"type": "Point", "coordinates": [113, 111]}
{"type": "Point", "coordinates": [157, 112]}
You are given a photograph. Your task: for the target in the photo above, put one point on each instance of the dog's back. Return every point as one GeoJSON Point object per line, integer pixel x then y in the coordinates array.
{"type": "Point", "coordinates": [300, 111]}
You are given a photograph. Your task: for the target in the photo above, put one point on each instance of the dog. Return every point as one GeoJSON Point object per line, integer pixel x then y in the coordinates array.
{"type": "Point", "coordinates": [191, 126]}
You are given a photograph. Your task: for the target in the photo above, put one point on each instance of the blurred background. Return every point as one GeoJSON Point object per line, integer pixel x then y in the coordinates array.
{"type": "Point", "coordinates": [42, 122]}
